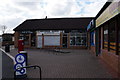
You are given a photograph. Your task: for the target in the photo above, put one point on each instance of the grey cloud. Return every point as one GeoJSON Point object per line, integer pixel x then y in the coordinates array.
{"type": "Point", "coordinates": [10, 11]}
{"type": "Point", "coordinates": [60, 10]}
{"type": "Point", "coordinates": [28, 5]}
{"type": "Point", "coordinates": [31, 5]}
{"type": "Point", "coordinates": [12, 23]}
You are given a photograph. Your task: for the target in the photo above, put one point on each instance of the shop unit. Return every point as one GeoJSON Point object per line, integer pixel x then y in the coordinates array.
{"type": "Point", "coordinates": [91, 36]}
{"type": "Point", "coordinates": [108, 35]}
{"type": "Point", "coordinates": [53, 33]}
{"type": "Point", "coordinates": [7, 38]}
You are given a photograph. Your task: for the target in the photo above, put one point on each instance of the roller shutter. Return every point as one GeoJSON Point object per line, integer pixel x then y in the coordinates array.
{"type": "Point", "coordinates": [52, 40]}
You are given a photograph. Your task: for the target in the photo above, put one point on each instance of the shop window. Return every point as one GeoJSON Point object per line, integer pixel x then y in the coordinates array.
{"type": "Point", "coordinates": [119, 40]}
{"type": "Point", "coordinates": [105, 44]}
{"type": "Point", "coordinates": [65, 40]}
{"type": "Point", "coordinates": [83, 40]}
{"type": "Point", "coordinates": [72, 40]}
{"type": "Point", "coordinates": [78, 39]}
{"type": "Point", "coordinates": [26, 40]}
{"type": "Point", "coordinates": [119, 33]}
{"type": "Point", "coordinates": [112, 44]}
{"type": "Point", "coordinates": [92, 38]}
{"type": "Point", "coordinates": [7, 38]}
{"type": "Point", "coordinates": [25, 37]}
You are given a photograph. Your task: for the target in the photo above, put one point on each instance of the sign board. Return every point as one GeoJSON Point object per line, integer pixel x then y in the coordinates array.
{"type": "Point", "coordinates": [48, 32]}
{"type": "Point", "coordinates": [20, 62]}
{"type": "Point", "coordinates": [26, 32]}
{"type": "Point", "coordinates": [91, 25]}
{"type": "Point", "coordinates": [112, 10]}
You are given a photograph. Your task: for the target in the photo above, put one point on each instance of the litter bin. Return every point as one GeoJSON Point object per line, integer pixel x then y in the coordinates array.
{"type": "Point", "coordinates": [7, 48]}
{"type": "Point", "coordinates": [26, 56]}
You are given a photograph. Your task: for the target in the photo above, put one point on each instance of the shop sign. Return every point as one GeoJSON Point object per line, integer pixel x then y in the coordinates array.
{"type": "Point", "coordinates": [112, 10]}
{"type": "Point", "coordinates": [26, 32]}
{"type": "Point", "coordinates": [48, 33]}
{"type": "Point", "coordinates": [91, 25]}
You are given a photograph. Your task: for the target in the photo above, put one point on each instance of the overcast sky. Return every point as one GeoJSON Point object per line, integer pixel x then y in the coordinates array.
{"type": "Point", "coordinates": [14, 12]}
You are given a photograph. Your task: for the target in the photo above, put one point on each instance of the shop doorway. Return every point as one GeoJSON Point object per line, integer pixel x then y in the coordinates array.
{"type": "Point", "coordinates": [64, 44]}
{"type": "Point", "coordinates": [29, 38]}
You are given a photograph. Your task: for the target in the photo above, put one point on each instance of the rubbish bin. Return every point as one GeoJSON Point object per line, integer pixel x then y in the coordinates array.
{"type": "Point", "coordinates": [26, 56]}
{"type": "Point", "coordinates": [7, 48]}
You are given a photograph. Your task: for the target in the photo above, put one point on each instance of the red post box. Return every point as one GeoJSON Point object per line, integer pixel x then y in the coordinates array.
{"type": "Point", "coordinates": [20, 45]}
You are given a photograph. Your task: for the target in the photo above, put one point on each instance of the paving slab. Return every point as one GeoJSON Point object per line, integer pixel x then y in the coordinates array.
{"type": "Point", "coordinates": [76, 64]}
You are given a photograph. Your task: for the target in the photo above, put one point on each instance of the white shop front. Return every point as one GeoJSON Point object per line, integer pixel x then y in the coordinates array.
{"type": "Point", "coordinates": [48, 39]}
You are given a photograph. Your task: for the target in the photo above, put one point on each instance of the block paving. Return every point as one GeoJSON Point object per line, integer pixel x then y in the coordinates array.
{"type": "Point", "coordinates": [76, 64]}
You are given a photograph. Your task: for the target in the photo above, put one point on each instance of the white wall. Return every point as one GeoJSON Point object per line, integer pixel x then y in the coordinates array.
{"type": "Point", "coordinates": [39, 42]}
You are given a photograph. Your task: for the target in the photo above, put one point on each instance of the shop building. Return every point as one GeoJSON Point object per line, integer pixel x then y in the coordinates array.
{"type": "Point", "coordinates": [7, 38]}
{"type": "Point", "coordinates": [91, 36]}
{"type": "Point", "coordinates": [53, 32]}
{"type": "Point", "coordinates": [108, 35]}
{"type": "Point", "coordinates": [0, 38]}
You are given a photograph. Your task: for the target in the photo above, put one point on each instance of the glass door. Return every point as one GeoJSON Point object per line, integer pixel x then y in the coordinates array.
{"type": "Point", "coordinates": [64, 41]}
{"type": "Point", "coordinates": [78, 39]}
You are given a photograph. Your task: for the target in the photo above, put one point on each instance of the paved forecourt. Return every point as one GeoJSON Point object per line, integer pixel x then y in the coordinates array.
{"type": "Point", "coordinates": [76, 64]}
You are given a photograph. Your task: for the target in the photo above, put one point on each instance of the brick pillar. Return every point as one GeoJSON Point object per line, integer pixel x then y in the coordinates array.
{"type": "Point", "coordinates": [119, 65]}
{"type": "Point", "coordinates": [61, 39]}
{"type": "Point", "coordinates": [16, 36]}
{"type": "Point", "coordinates": [42, 40]}
{"type": "Point", "coordinates": [36, 43]}
{"type": "Point", "coordinates": [68, 40]}
{"type": "Point", "coordinates": [30, 40]}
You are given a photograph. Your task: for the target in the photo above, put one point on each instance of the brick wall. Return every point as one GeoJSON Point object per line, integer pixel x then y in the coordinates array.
{"type": "Point", "coordinates": [77, 47]}
{"type": "Point", "coordinates": [16, 35]}
{"type": "Point", "coordinates": [92, 50]}
{"type": "Point", "coordinates": [112, 61]}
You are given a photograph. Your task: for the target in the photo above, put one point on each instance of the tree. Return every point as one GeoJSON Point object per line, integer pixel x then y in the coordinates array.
{"type": "Point", "coordinates": [3, 28]}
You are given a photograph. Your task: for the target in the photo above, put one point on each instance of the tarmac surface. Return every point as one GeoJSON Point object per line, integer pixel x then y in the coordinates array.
{"type": "Point", "coordinates": [76, 64]}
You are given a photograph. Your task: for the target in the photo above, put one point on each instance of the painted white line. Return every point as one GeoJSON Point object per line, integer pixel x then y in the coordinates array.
{"type": "Point", "coordinates": [8, 55]}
